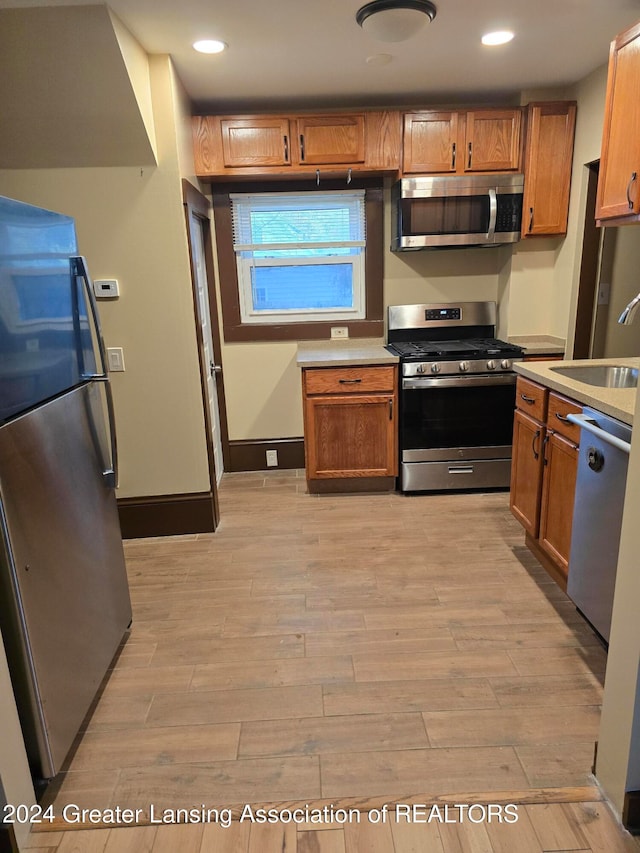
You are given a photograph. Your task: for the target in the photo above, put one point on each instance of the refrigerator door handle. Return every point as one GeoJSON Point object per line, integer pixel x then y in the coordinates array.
{"type": "Point", "coordinates": [111, 475]}
{"type": "Point", "coordinates": [82, 271]}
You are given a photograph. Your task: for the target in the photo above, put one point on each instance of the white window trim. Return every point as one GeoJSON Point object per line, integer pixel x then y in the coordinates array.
{"type": "Point", "coordinates": [244, 263]}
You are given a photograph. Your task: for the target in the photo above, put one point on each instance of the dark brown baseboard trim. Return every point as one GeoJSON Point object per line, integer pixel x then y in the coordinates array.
{"type": "Point", "coordinates": [345, 485]}
{"type": "Point", "coordinates": [252, 455]}
{"type": "Point", "coordinates": [166, 515]}
{"type": "Point", "coordinates": [631, 812]}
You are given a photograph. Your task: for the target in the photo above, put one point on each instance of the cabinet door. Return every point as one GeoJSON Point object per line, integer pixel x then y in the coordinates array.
{"type": "Point", "coordinates": [618, 191]}
{"type": "Point", "coordinates": [430, 142]}
{"type": "Point", "coordinates": [549, 154]}
{"type": "Point", "coordinates": [526, 471]}
{"type": "Point", "coordinates": [492, 141]}
{"type": "Point", "coordinates": [558, 493]}
{"type": "Point", "coordinates": [260, 141]}
{"type": "Point", "coordinates": [350, 436]}
{"type": "Point", "coordinates": [325, 140]}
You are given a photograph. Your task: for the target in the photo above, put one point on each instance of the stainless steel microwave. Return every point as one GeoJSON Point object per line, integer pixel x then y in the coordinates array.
{"type": "Point", "coordinates": [470, 210]}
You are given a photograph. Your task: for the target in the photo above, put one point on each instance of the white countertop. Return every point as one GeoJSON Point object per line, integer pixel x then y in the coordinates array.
{"type": "Point", "coordinates": [620, 403]}
{"type": "Point", "coordinates": [345, 352]}
{"type": "Point", "coordinates": [535, 344]}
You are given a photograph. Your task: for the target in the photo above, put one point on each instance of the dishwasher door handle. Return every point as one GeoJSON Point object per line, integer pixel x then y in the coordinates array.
{"type": "Point", "coordinates": [591, 426]}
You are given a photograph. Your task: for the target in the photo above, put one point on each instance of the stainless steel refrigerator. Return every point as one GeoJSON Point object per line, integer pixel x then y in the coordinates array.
{"type": "Point", "coordinates": [64, 598]}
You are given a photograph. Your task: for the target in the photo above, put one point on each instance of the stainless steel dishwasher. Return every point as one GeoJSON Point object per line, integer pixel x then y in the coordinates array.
{"type": "Point", "coordinates": [597, 516]}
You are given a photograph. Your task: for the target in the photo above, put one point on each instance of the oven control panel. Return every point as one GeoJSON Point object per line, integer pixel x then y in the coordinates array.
{"type": "Point", "coordinates": [454, 314]}
{"type": "Point", "coordinates": [452, 368]}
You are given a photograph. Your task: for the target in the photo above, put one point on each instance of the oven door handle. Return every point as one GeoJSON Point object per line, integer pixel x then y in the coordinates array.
{"type": "Point", "coordinates": [415, 384]}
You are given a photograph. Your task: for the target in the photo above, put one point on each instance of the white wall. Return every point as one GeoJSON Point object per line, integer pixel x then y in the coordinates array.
{"type": "Point", "coordinates": [590, 95]}
{"type": "Point", "coordinates": [130, 224]}
{"type": "Point", "coordinates": [619, 270]}
{"type": "Point", "coordinates": [618, 760]}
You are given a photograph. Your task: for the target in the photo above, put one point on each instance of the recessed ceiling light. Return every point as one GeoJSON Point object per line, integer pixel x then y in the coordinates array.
{"type": "Point", "coordinates": [209, 46]}
{"type": "Point", "coordinates": [499, 37]}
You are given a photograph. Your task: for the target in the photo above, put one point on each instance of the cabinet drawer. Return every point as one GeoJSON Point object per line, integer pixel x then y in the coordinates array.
{"type": "Point", "coordinates": [531, 398]}
{"type": "Point", "coordinates": [345, 380]}
{"type": "Point", "coordinates": [557, 411]}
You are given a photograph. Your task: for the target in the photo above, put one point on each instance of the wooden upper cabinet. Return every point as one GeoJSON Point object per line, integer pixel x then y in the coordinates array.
{"type": "Point", "coordinates": [324, 140]}
{"type": "Point", "coordinates": [618, 191]}
{"type": "Point", "coordinates": [548, 160]}
{"type": "Point", "coordinates": [295, 145]}
{"type": "Point", "coordinates": [493, 141]}
{"type": "Point", "coordinates": [255, 141]}
{"type": "Point", "coordinates": [430, 142]}
{"type": "Point", "coordinates": [460, 142]}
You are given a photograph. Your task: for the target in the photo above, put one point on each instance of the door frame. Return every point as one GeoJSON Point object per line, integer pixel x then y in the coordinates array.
{"type": "Point", "coordinates": [198, 205]}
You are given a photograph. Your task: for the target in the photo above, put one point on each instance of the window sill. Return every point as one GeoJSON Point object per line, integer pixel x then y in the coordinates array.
{"type": "Point", "coordinates": [316, 331]}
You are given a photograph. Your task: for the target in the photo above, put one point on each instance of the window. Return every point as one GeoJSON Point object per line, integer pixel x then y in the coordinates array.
{"type": "Point", "coordinates": [300, 256]}
{"type": "Point", "coordinates": [295, 259]}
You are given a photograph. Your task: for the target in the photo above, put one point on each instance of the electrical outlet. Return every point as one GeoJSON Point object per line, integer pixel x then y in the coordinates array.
{"type": "Point", "coordinates": [339, 331]}
{"type": "Point", "coordinates": [272, 458]}
{"type": "Point", "coordinates": [604, 291]}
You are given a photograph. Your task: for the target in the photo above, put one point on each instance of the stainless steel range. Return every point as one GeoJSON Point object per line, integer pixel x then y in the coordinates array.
{"type": "Point", "coordinates": [457, 396]}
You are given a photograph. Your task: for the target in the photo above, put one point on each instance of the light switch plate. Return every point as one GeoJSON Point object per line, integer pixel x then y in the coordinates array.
{"type": "Point", "coordinates": [115, 359]}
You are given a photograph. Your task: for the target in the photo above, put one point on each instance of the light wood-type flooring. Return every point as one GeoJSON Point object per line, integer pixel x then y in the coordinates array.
{"type": "Point", "coordinates": [352, 649]}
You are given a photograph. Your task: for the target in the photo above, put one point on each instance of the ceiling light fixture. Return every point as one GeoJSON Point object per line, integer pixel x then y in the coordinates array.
{"type": "Point", "coordinates": [209, 46]}
{"type": "Point", "coordinates": [499, 37]}
{"type": "Point", "coordinates": [394, 20]}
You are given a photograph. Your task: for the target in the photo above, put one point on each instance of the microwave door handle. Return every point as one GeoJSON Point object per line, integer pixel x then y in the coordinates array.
{"type": "Point", "coordinates": [493, 214]}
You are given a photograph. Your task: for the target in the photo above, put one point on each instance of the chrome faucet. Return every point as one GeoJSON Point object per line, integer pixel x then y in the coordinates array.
{"type": "Point", "coordinates": [626, 318]}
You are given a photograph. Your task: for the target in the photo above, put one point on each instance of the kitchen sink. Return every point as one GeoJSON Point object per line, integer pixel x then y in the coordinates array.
{"type": "Point", "coordinates": [605, 376]}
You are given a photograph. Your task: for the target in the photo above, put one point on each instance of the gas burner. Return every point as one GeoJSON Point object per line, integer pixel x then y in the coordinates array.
{"type": "Point", "coordinates": [450, 350]}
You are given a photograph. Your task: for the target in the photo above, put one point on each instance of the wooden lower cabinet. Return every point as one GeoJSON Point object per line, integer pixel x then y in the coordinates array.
{"type": "Point", "coordinates": [526, 471]}
{"type": "Point", "coordinates": [556, 510]}
{"type": "Point", "coordinates": [350, 424]}
{"type": "Point", "coordinates": [543, 473]}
